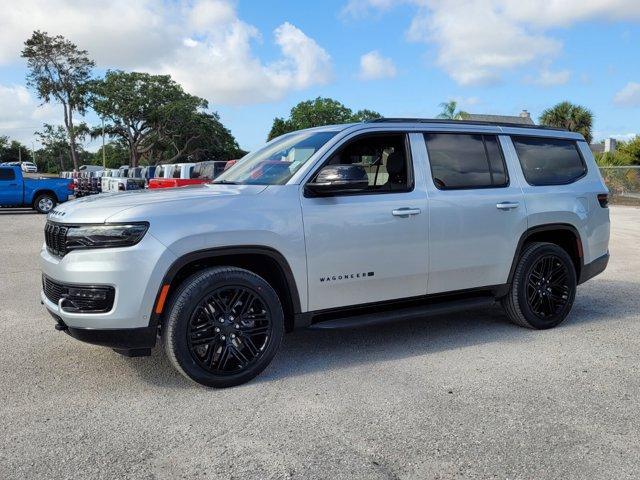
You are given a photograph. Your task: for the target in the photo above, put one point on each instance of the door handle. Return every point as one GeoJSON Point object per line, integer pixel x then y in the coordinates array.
{"type": "Point", "coordinates": [406, 212]}
{"type": "Point", "coordinates": [507, 205]}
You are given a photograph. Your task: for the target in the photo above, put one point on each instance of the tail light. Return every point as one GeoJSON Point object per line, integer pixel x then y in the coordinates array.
{"type": "Point", "coordinates": [71, 186]}
{"type": "Point", "coordinates": [603, 200]}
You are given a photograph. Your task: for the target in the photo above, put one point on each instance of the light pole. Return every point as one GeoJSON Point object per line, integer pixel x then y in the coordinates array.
{"type": "Point", "coordinates": [104, 158]}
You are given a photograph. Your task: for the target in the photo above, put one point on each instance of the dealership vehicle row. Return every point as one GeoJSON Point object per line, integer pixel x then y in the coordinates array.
{"type": "Point", "coordinates": [93, 179]}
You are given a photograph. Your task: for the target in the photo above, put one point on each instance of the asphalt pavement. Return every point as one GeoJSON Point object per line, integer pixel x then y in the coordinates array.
{"type": "Point", "coordinates": [464, 395]}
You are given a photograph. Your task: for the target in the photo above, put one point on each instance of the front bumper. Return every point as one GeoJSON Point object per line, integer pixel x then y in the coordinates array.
{"type": "Point", "coordinates": [134, 272]}
{"type": "Point", "coordinates": [132, 342]}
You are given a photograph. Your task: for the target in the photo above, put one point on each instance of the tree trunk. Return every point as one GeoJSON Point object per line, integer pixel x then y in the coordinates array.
{"type": "Point", "coordinates": [68, 121]}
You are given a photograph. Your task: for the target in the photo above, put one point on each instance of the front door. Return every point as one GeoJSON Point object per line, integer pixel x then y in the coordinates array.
{"type": "Point", "coordinates": [477, 211]}
{"type": "Point", "coordinates": [370, 246]}
{"type": "Point", "coordinates": [10, 187]}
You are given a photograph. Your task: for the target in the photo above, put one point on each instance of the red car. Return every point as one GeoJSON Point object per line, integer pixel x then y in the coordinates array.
{"type": "Point", "coordinates": [189, 174]}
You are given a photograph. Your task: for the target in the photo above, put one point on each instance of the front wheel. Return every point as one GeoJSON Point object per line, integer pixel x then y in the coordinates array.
{"type": "Point", "coordinates": [44, 203]}
{"type": "Point", "coordinates": [543, 287]}
{"type": "Point", "coordinates": [224, 327]}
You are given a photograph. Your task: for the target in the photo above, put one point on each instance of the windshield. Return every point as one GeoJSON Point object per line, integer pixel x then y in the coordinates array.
{"type": "Point", "coordinates": [277, 161]}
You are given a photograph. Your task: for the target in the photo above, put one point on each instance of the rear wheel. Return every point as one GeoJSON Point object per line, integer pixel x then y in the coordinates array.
{"type": "Point", "coordinates": [44, 203]}
{"type": "Point", "coordinates": [224, 327]}
{"type": "Point", "coordinates": [543, 287]}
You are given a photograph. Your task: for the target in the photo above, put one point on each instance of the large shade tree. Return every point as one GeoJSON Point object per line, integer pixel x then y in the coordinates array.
{"type": "Point", "coordinates": [574, 118]}
{"type": "Point", "coordinates": [317, 113]}
{"type": "Point", "coordinates": [155, 117]}
{"type": "Point", "coordinates": [59, 71]}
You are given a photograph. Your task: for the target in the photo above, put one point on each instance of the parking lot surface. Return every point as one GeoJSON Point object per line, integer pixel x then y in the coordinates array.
{"type": "Point", "coordinates": [464, 395]}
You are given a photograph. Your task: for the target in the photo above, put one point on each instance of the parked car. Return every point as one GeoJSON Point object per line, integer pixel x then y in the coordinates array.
{"type": "Point", "coordinates": [173, 176]}
{"type": "Point", "coordinates": [29, 167]}
{"type": "Point", "coordinates": [41, 194]}
{"type": "Point", "coordinates": [201, 172]}
{"type": "Point", "coordinates": [335, 226]}
{"type": "Point", "coordinates": [106, 178]}
{"type": "Point", "coordinates": [148, 173]}
{"type": "Point", "coordinates": [118, 180]}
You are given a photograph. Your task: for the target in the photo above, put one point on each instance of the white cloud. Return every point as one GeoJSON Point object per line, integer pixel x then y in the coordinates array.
{"type": "Point", "coordinates": [203, 43]}
{"type": "Point", "coordinates": [477, 41]}
{"type": "Point", "coordinates": [222, 68]}
{"type": "Point", "coordinates": [374, 66]}
{"type": "Point", "coordinates": [21, 114]}
{"type": "Point", "coordinates": [549, 78]}
{"type": "Point", "coordinates": [629, 96]}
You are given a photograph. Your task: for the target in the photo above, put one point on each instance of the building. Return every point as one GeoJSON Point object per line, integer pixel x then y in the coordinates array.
{"type": "Point", "coordinates": [523, 119]}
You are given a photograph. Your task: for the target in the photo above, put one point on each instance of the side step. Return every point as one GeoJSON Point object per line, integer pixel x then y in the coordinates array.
{"type": "Point", "coordinates": [406, 313]}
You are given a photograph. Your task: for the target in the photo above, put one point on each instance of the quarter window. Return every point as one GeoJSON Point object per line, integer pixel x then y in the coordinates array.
{"type": "Point", "coordinates": [549, 161]}
{"type": "Point", "coordinates": [460, 161]}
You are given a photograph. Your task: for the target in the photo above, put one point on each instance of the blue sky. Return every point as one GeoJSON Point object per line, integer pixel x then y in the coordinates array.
{"type": "Point", "coordinates": [254, 60]}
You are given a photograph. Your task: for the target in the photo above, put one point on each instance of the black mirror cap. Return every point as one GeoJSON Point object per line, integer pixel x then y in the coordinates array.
{"type": "Point", "coordinates": [338, 179]}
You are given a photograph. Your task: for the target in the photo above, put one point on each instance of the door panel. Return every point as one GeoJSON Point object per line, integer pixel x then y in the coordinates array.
{"type": "Point", "coordinates": [10, 187]}
{"type": "Point", "coordinates": [366, 248]}
{"type": "Point", "coordinates": [473, 233]}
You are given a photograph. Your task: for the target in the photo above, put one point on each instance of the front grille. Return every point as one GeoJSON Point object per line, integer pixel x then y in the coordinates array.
{"type": "Point", "coordinates": [55, 236]}
{"type": "Point", "coordinates": [79, 298]}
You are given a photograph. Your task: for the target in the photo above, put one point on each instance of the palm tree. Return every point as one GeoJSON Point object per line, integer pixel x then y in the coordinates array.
{"type": "Point", "coordinates": [449, 111]}
{"type": "Point", "coordinates": [574, 118]}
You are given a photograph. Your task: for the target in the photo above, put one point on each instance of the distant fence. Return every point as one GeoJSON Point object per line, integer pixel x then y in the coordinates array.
{"type": "Point", "coordinates": [623, 183]}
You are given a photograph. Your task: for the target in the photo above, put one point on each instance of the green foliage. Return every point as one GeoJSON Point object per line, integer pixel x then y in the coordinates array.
{"type": "Point", "coordinates": [157, 119]}
{"type": "Point", "coordinates": [9, 151]}
{"type": "Point", "coordinates": [450, 111]}
{"type": "Point", "coordinates": [626, 154]}
{"type": "Point", "coordinates": [631, 149]}
{"type": "Point", "coordinates": [316, 113]}
{"type": "Point", "coordinates": [53, 155]}
{"type": "Point", "coordinates": [574, 118]}
{"type": "Point", "coordinates": [59, 71]}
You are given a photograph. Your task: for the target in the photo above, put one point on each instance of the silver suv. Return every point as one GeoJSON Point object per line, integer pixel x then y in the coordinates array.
{"type": "Point", "coordinates": [331, 227]}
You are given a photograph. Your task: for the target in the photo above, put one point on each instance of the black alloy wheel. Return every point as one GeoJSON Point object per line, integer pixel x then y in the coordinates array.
{"type": "Point", "coordinates": [543, 287]}
{"type": "Point", "coordinates": [547, 286]}
{"type": "Point", "coordinates": [223, 327]}
{"type": "Point", "coordinates": [229, 330]}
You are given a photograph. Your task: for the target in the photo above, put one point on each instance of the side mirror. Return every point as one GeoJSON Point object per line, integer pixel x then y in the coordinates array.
{"type": "Point", "coordinates": [338, 179]}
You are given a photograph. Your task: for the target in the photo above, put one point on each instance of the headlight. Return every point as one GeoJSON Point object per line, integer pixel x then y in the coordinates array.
{"type": "Point", "coordinates": [105, 236]}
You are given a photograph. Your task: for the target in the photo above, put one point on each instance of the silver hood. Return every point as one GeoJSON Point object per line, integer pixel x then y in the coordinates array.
{"type": "Point", "coordinates": [98, 208]}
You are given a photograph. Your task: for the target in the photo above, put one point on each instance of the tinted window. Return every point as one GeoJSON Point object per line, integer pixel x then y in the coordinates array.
{"type": "Point", "coordinates": [7, 174]}
{"type": "Point", "coordinates": [549, 161]}
{"type": "Point", "coordinates": [465, 161]}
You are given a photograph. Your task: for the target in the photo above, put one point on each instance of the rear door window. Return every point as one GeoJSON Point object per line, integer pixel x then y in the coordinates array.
{"type": "Point", "coordinates": [549, 161]}
{"type": "Point", "coordinates": [464, 161]}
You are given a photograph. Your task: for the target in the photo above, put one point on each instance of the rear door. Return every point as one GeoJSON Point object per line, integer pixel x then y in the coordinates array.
{"type": "Point", "coordinates": [370, 246]}
{"type": "Point", "coordinates": [476, 208]}
{"type": "Point", "coordinates": [10, 187]}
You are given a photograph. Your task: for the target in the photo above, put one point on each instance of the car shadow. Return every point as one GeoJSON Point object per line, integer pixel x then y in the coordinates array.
{"type": "Point", "coordinates": [310, 351]}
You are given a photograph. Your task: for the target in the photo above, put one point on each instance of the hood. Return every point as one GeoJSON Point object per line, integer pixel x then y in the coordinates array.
{"type": "Point", "coordinates": [98, 208]}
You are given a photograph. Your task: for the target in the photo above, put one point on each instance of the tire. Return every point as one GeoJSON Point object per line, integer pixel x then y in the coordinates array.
{"type": "Point", "coordinates": [44, 203]}
{"type": "Point", "coordinates": [543, 287]}
{"type": "Point", "coordinates": [224, 327]}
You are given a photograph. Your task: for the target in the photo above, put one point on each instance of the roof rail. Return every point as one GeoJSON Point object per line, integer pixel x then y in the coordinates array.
{"type": "Point", "coordinates": [463, 122]}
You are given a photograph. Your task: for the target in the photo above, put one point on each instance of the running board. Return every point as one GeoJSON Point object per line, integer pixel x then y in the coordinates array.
{"type": "Point", "coordinates": [406, 313]}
